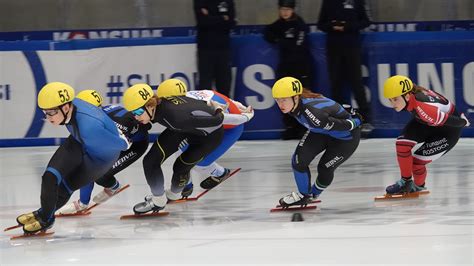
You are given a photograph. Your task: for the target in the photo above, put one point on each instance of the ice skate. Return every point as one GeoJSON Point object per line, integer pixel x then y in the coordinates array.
{"type": "Point", "coordinates": [23, 219]}
{"type": "Point", "coordinates": [34, 226]}
{"type": "Point", "coordinates": [295, 198]}
{"type": "Point", "coordinates": [26, 218]}
{"type": "Point", "coordinates": [172, 196]}
{"type": "Point", "coordinates": [213, 181]}
{"type": "Point", "coordinates": [403, 189]}
{"type": "Point", "coordinates": [151, 204]}
{"type": "Point", "coordinates": [107, 193]}
{"type": "Point", "coordinates": [38, 225]}
{"type": "Point", "coordinates": [73, 208]}
{"type": "Point", "coordinates": [404, 186]}
{"type": "Point", "coordinates": [151, 207]}
{"type": "Point", "coordinates": [235, 171]}
{"type": "Point", "coordinates": [295, 201]}
{"type": "Point", "coordinates": [187, 191]}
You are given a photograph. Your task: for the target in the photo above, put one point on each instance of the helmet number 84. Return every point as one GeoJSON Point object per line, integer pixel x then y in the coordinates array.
{"type": "Point", "coordinates": [145, 94]}
{"type": "Point", "coordinates": [63, 96]}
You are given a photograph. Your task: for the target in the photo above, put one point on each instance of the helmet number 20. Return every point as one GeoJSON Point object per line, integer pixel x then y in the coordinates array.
{"type": "Point", "coordinates": [405, 85]}
{"type": "Point", "coordinates": [63, 96]}
{"type": "Point", "coordinates": [296, 86]}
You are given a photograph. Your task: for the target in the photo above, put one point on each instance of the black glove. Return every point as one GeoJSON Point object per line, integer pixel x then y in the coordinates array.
{"type": "Point", "coordinates": [359, 116]}
{"type": "Point", "coordinates": [349, 109]}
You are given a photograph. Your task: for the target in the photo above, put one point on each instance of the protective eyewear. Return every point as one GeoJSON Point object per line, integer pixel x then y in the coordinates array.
{"type": "Point", "coordinates": [138, 112]}
{"type": "Point", "coordinates": [51, 112]}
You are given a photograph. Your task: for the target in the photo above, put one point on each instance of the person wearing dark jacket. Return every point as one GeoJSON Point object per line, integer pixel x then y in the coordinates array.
{"type": "Point", "coordinates": [290, 32]}
{"type": "Point", "coordinates": [215, 19]}
{"type": "Point", "coordinates": [342, 20]}
{"type": "Point", "coordinates": [185, 119]}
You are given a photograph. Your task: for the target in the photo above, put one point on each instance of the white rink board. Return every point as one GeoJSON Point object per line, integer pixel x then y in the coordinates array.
{"type": "Point", "coordinates": [86, 69]}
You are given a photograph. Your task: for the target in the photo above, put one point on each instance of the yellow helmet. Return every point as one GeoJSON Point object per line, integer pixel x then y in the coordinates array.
{"type": "Point", "coordinates": [91, 96]}
{"type": "Point", "coordinates": [396, 86]}
{"type": "Point", "coordinates": [137, 96]}
{"type": "Point", "coordinates": [171, 87]}
{"type": "Point", "coordinates": [55, 94]}
{"type": "Point", "coordinates": [287, 87]}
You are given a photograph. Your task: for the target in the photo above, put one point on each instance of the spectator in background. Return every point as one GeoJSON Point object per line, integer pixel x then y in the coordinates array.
{"type": "Point", "coordinates": [289, 32]}
{"type": "Point", "coordinates": [215, 19]}
{"type": "Point", "coordinates": [342, 20]}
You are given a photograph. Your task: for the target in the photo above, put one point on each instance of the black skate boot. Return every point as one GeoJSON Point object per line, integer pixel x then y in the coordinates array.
{"type": "Point", "coordinates": [151, 204]}
{"type": "Point", "coordinates": [187, 190]}
{"type": "Point", "coordinates": [404, 186]}
{"type": "Point", "coordinates": [213, 181]}
{"type": "Point", "coordinates": [295, 198]}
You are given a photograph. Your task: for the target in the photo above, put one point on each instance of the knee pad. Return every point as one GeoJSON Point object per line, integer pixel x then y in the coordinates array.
{"type": "Point", "coordinates": [298, 165]}
{"type": "Point", "coordinates": [404, 147]}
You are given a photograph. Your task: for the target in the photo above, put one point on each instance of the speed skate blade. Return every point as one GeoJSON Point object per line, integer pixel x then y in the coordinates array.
{"type": "Point", "coordinates": [12, 227]}
{"type": "Point", "coordinates": [412, 195]}
{"type": "Point", "coordinates": [97, 204]}
{"type": "Point", "coordinates": [40, 234]}
{"type": "Point", "coordinates": [235, 171]}
{"type": "Point", "coordinates": [83, 213]}
{"type": "Point", "coordinates": [280, 209]}
{"type": "Point", "coordinates": [182, 200]}
{"type": "Point", "coordinates": [309, 203]}
{"type": "Point", "coordinates": [138, 216]}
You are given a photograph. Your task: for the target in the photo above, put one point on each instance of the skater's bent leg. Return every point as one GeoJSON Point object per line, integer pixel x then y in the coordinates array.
{"type": "Point", "coordinates": [166, 144]}
{"type": "Point", "coordinates": [337, 152]}
{"type": "Point", "coordinates": [419, 171]}
{"type": "Point", "coordinates": [63, 196]}
{"type": "Point", "coordinates": [49, 194]}
{"type": "Point", "coordinates": [309, 146]}
{"type": "Point", "coordinates": [199, 147]}
{"type": "Point", "coordinates": [229, 139]}
{"type": "Point", "coordinates": [214, 169]}
{"type": "Point", "coordinates": [126, 158]}
{"type": "Point", "coordinates": [85, 193]}
{"type": "Point", "coordinates": [404, 156]}
{"type": "Point", "coordinates": [152, 167]}
{"type": "Point", "coordinates": [302, 175]}
{"type": "Point", "coordinates": [435, 146]}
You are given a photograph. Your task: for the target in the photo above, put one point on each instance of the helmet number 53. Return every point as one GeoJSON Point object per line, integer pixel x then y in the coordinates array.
{"type": "Point", "coordinates": [63, 96]}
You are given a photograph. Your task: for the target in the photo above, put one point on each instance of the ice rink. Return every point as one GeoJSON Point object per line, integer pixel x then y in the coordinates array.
{"type": "Point", "coordinates": [232, 223]}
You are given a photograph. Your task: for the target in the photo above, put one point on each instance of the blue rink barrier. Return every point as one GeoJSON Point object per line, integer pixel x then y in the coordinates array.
{"type": "Point", "coordinates": [430, 58]}
{"type": "Point", "coordinates": [165, 32]}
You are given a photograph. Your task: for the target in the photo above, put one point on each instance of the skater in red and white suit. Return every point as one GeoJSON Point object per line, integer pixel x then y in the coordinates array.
{"type": "Point", "coordinates": [434, 130]}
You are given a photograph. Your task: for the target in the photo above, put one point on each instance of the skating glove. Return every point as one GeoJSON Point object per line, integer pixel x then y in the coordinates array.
{"type": "Point", "coordinates": [217, 105]}
{"type": "Point", "coordinates": [128, 142]}
{"type": "Point", "coordinates": [355, 122]}
{"type": "Point", "coordinates": [358, 116]}
{"type": "Point", "coordinates": [249, 113]}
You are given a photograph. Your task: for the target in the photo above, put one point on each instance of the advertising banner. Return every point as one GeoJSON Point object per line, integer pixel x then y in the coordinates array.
{"type": "Point", "coordinates": [442, 62]}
